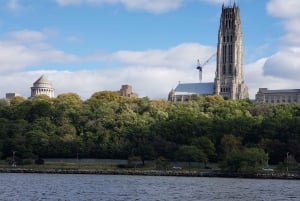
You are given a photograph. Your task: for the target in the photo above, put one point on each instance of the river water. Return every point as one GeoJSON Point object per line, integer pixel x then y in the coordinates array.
{"type": "Point", "coordinates": [63, 187]}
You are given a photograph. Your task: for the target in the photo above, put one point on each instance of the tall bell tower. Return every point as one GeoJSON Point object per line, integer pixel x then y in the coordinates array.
{"type": "Point", "coordinates": [229, 79]}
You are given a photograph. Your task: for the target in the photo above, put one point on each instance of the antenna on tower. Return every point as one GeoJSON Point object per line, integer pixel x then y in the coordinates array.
{"type": "Point", "coordinates": [200, 67]}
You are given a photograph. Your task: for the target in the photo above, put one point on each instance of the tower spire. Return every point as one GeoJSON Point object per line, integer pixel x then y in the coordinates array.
{"type": "Point", "coordinates": [229, 81]}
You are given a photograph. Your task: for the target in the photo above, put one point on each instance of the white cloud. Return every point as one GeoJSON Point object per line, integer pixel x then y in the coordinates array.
{"type": "Point", "coordinates": [256, 78]}
{"type": "Point", "coordinates": [179, 57]}
{"type": "Point", "coordinates": [152, 73]}
{"type": "Point", "coordinates": [28, 48]}
{"type": "Point", "coordinates": [285, 64]}
{"type": "Point", "coordinates": [284, 8]}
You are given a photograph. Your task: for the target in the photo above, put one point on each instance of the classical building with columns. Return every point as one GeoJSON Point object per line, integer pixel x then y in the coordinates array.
{"type": "Point", "coordinates": [42, 87]}
{"type": "Point", "coordinates": [229, 79]}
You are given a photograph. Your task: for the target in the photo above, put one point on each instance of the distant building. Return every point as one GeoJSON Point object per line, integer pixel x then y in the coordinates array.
{"type": "Point", "coordinates": [126, 90]}
{"type": "Point", "coordinates": [42, 87]}
{"type": "Point", "coordinates": [184, 91]}
{"type": "Point", "coordinates": [229, 79]}
{"type": "Point", "coordinates": [265, 95]}
{"type": "Point", "coordinates": [10, 96]}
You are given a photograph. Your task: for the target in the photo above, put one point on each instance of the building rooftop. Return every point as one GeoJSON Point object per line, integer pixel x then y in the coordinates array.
{"type": "Point", "coordinates": [42, 82]}
{"type": "Point", "coordinates": [195, 88]}
{"type": "Point", "coordinates": [268, 91]}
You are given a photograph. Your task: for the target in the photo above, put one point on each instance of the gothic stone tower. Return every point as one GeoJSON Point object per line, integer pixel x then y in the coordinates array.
{"type": "Point", "coordinates": [229, 80]}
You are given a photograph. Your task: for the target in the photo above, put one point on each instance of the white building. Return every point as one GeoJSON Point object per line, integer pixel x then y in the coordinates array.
{"type": "Point", "coordinates": [42, 87]}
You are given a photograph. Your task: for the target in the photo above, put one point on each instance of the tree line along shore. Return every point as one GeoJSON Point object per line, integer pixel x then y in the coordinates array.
{"type": "Point", "coordinates": [240, 136]}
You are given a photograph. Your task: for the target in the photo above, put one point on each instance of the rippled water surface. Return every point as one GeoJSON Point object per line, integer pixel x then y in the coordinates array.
{"type": "Point", "coordinates": [121, 188]}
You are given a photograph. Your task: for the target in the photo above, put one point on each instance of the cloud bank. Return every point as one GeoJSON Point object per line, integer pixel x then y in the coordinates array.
{"type": "Point", "coordinates": [285, 64]}
{"type": "Point", "coordinates": [152, 73]}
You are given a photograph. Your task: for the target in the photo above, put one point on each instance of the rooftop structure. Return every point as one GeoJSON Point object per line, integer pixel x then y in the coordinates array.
{"type": "Point", "coordinates": [184, 91]}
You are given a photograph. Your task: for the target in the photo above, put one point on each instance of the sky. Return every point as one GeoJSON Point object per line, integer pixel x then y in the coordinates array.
{"type": "Point", "coordinates": [85, 46]}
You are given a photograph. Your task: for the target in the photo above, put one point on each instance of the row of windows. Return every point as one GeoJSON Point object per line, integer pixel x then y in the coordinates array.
{"type": "Point", "coordinates": [281, 97]}
{"type": "Point", "coordinates": [282, 101]}
{"type": "Point", "coordinates": [228, 24]}
{"type": "Point", "coordinates": [228, 15]}
{"type": "Point", "coordinates": [225, 89]}
{"type": "Point", "coordinates": [42, 90]}
{"type": "Point", "coordinates": [227, 38]}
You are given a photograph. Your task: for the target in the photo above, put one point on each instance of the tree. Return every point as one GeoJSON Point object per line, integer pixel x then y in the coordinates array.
{"type": "Point", "coordinates": [68, 108]}
{"type": "Point", "coordinates": [16, 100]}
{"type": "Point", "coordinates": [139, 138]}
{"type": "Point", "coordinates": [206, 146]}
{"type": "Point", "coordinates": [230, 144]}
{"type": "Point", "coordinates": [190, 153]}
{"type": "Point", "coordinates": [249, 160]}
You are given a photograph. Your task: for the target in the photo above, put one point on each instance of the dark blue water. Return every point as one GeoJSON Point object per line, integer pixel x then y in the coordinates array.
{"type": "Point", "coordinates": [119, 188]}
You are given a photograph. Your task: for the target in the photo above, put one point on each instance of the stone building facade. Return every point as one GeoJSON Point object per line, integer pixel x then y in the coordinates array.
{"type": "Point", "coordinates": [42, 87]}
{"type": "Point", "coordinates": [126, 90]}
{"type": "Point", "coordinates": [229, 79]}
{"type": "Point", "coordinates": [265, 95]}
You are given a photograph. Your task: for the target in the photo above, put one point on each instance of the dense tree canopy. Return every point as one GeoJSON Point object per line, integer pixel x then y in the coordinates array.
{"type": "Point", "coordinates": [110, 126]}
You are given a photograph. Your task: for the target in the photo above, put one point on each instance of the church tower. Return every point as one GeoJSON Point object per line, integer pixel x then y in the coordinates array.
{"type": "Point", "coordinates": [229, 80]}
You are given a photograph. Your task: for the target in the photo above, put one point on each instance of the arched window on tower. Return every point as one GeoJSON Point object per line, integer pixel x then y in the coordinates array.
{"type": "Point", "coordinates": [224, 69]}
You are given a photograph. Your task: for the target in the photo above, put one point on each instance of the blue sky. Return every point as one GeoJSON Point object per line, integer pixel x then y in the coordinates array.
{"type": "Point", "coordinates": [84, 46]}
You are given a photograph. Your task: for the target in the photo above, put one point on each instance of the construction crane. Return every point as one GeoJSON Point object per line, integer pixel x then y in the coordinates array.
{"type": "Point", "coordinates": [200, 66]}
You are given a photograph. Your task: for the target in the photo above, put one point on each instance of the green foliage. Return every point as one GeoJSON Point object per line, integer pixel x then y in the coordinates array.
{"type": "Point", "coordinates": [190, 154]}
{"type": "Point", "coordinates": [107, 125]}
{"type": "Point", "coordinates": [248, 160]}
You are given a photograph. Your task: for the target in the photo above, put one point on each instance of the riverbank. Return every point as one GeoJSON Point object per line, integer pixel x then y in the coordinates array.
{"type": "Point", "coordinates": [152, 173]}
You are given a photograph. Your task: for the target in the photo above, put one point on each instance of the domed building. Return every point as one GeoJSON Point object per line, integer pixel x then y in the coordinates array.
{"type": "Point", "coordinates": [42, 87]}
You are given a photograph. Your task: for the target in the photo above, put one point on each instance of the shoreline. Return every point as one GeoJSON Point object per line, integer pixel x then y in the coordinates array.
{"type": "Point", "coordinates": [153, 173]}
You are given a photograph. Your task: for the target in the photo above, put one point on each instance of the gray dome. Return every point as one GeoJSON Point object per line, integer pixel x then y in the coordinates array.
{"type": "Point", "coordinates": [42, 82]}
